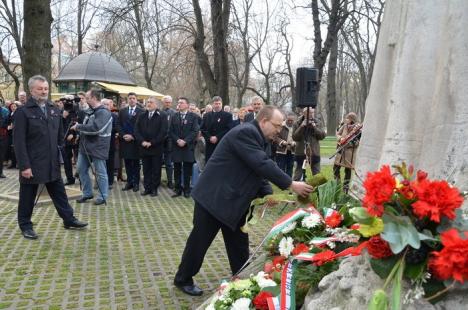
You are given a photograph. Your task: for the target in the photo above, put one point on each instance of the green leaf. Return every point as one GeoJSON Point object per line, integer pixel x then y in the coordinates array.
{"type": "Point", "coordinates": [383, 267]}
{"type": "Point", "coordinates": [274, 290]}
{"type": "Point", "coordinates": [396, 289]}
{"type": "Point", "coordinates": [379, 301]}
{"type": "Point", "coordinates": [414, 271]}
{"type": "Point", "coordinates": [432, 287]}
{"type": "Point", "coordinates": [400, 232]}
{"type": "Point", "coordinates": [361, 216]}
{"type": "Point", "coordinates": [328, 193]}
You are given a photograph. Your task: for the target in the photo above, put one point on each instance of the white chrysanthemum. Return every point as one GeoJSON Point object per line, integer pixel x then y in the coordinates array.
{"type": "Point", "coordinates": [331, 244]}
{"type": "Point", "coordinates": [311, 220]}
{"type": "Point", "coordinates": [290, 227]}
{"type": "Point", "coordinates": [241, 284]}
{"type": "Point", "coordinates": [241, 304]}
{"type": "Point", "coordinates": [286, 246]}
{"type": "Point", "coordinates": [333, 206]}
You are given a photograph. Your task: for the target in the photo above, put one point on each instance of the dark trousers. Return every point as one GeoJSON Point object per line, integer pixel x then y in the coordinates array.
{"type": "Point", "coordinates": [152, 172]}
{"type": "Point", "coordinates": [3, 150]}
{"type": "Point", "coordinates": [209, 150]}
{"type": "Point", "coordinates": [205, 229]}
{"type": "Point", "coordinates": [110, 166]}
{"type": "Point", "coordinates": [132, 167]}
{"type": "Point", "coordinates": [67, 156]}
{"type": "Point", "coordinates": [169, 166]}
{"type": "Point", "coordinates": [347, 176]}
{"type": "Point", "coordinates": [298, 171]}
{"type": "Point", "coordinates": [285, 162]}
{"type": "Point", "coordinates": [27, 196]}
{"type": "Point", "coordinates": [11, 150]}
{"type": "Point", "coordinates": [178, 174]}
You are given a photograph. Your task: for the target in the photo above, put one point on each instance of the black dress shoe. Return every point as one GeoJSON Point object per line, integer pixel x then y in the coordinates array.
{"type": "Point", "coordinates": [170, 185]}
{"type": "Point", "coordinates": [75, 224]}
{"type": "Point", "coordinates": [84, 199]}
{"type": "Point", "coordinates": [127, 187]}
{"type": "Point", "coordinates": [187, 194]}
{"type": "Point", "coordinates": [154, 193]}
{"type": "Point", "coordinates": [29, 234]}
{"type": "Point", "coordinates": [99, 202]}
{"type": "Point", "coordinates": [2, 176]}
{"type": "Point", "coordinates": [146, 193]}
{"type": "Point", "coordinates": [191, 290]}
{"type": "Point", "coordinates": [136, 188]}
{"type": "Point", "coordinates": [69, 183]}
{"type": "Point", "coordinates": [177, 194]}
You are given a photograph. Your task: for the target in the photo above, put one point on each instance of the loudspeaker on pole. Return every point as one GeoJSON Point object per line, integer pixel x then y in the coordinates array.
{"type": "Point", "coordinates": [307, 87]}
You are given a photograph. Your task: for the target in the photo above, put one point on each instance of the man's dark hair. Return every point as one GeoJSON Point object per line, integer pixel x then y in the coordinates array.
{"type": "Point", "coordinates": [266, 113]}
{"type": "Point", "coordinates": [131, 94]}
{"type": "Point", "coordinates": [94, 93]}
{"type": "Point", "coordinates": [81, 93]}
{"type": "Point", "coordinates": [184, 98]}
{"type": "Point", "coordinates": [216, 98]}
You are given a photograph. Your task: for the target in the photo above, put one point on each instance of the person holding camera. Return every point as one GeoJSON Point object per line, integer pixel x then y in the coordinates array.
{"type": "Point", "coordinates": [38, 133]}
{"type": "Point", "coordinates": [309, 130]}
{"type": "Point", "coordinates": [69, 116]}
{"type": "Point", "coordinates": [95, 137]}
{"type": "Point", "coordinates": [286, 145]}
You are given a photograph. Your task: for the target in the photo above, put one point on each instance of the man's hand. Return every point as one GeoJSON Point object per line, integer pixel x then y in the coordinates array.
{"type": "Point", "coordinates": [69, 138]}
{"type": "Point", "coordinates": [127, 137]}
{"type": "Point", "coordinates": [73, 127]}
{"type": "Point", "coordinates": [146, 144]}
{"type": "Point", "coordinates": [65, 114]}
{"type": "Point", "coordinates": [214, 139]}
{"type": "Point", "coordinates": [181, 143]}
{"type": "Point", "coordinates": [301, 188]}
{"type": "Point", "coordinates": [27, 173]}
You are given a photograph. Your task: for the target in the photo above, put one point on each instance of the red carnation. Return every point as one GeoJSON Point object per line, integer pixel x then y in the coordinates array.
{"type": "Point", "coordinates": [260, 301]}
{"type": "Point", "coordinates": [278, 262]}
{"type": "Point", "coordinates": [379, 189]}
{"type": "Point", "coordinates": [323, 257]}
{"type": "Point", "coordinates": [451, 262]}
{"type": "Point", "coordinates": [436, 199]}
{"type": "Point", "coordinates": [407, 190]}
{"type": "Point", "coordinates": [378, 248]}
{"type": "Point", "coordinates": [300, 248]}
{"type": "Point", "coordinates": [333, 220]}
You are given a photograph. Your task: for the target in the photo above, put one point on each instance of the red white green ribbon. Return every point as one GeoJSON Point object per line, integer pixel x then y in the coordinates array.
{"type": "Point", "coordinates": [287, 298]}
{"type": "Point", "coordinates": [286, 219]}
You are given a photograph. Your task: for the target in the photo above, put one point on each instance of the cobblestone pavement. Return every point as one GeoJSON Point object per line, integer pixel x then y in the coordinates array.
{"type": "Point", "coordinates": [125, 259]}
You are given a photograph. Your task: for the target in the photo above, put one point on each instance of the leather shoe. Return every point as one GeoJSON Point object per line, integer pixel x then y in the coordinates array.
{"type": "Point", "coordinates": [2, 176]}
{"type": "Point", "coordinates": [69, 183]}
{"type": "Point", "coordinates": [170, 185]}
{"type": "Point", "coordinates": [154, 193]}
{"type": "Point", "coordinates": [75, 224]}
{"type": "Point", "coordinates": [29, 234]}
{"type": "Point", "coordinates": [177, 194]}
{"type": "Point", "coordinates": [127, 187]}
{"type": "Point", "coordinates": [98, 202]}
{"type": "Point", "coordinates": [191, 290]}
{"type": "Point", "coordinates": [136, 188]}
{"type": "Point", "coordinates": [146, 193]}
{"type": "Point", "coordinates": [187, 194]}
{"type": "Point", "coordinates": [84, 199]}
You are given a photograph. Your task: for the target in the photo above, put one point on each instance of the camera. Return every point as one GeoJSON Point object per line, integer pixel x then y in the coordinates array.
{"type": "Point", "coordinates": [70, 102]}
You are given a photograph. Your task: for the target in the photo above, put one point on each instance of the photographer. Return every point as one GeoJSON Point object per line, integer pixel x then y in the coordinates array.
{"type": "Point", "coordinates": [286, 146]}
{"type": "Point", "coordinates": [310, 131]}
{"type": "Point", "coordinates": [69, 116]}
{"type": "Point", "coordinates": [95, 136]}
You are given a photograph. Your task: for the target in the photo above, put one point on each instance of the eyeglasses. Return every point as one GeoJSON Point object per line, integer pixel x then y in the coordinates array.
{"type": "Point", "coordinates": [277, 126]}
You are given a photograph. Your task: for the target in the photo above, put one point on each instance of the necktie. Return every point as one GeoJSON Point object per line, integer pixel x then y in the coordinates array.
{"type": "Point", "coordinates": [130, 111]}
{"type": "Point", "coordinates": [43, 108]}
{"type": "Point", "coordinates": [150, 115]}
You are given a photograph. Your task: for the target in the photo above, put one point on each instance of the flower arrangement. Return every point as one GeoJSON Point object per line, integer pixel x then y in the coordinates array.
{"type": "Point", "coordinates": [414, 227]}
{"type": "Point", "coordinates": [244, 294]}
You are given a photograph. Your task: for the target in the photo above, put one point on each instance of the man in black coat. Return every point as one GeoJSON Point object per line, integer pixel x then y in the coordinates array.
{"type": "Point", "coordinates": [167, 108]}
{"type": "Point", "coordinates": [109, 104]}
{"type": "Point", "coordinates": [236, 174]}
{"type": "Point", "coordinates": [214, 126]}
{"type": "Point", "coordinates": [38, 134]}
{"type": "Point", "coordinates": [183, 132]}
{"type": "Point", "coordinates": [128, 144]}
{"type": "Point", "coordinates": [150, 134]}
{"type": "Point", "coordinates": [257, 104]}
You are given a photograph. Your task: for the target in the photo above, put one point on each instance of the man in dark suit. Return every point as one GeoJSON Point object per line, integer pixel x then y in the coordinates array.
{"type": "Point", "coordinates": [150, 134]}
{"type": "Point", "coordinates": [184, 130]}
{"type": "Point", "coordinates": [214, 126]}
{"type": "Point", "coordinates": [167, 108]}
{"type": "Point", "coordinates": [128, 144]}
{"type": "Point", "coordinates": [257, 104]}
{"type": "Point", "coordinates": [222, 203]}
{"type": "Point", "coordinates": [38, 134]}
{"type": "Point", "coordinates": [109, 104]}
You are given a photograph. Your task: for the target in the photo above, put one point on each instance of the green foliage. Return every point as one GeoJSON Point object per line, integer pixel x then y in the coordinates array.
{"type": "Point", "coordinates": [432, 287]}
{"type": "Point", "coordinates": [396, 289]}
{"type": "Point", "coordinates": [379, 301]}
{"type": "Point", "coordinates": [415, 271]}
{"type": "Point", "coordinates": [400, 232]}
{"type": "Point", "coordinates": [383, 267]}
{"type": "Point", "coordinates": [360, 215]}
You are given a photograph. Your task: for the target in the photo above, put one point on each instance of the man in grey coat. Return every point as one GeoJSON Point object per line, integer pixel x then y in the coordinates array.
{"type": "Point", "coordinates": [95, 136]}
{"type": "Point", "coordinates": [237, 173]}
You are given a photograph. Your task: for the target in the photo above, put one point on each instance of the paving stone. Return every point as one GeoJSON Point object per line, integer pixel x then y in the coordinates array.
{"type": "Point", "coordinates": [125, 259]}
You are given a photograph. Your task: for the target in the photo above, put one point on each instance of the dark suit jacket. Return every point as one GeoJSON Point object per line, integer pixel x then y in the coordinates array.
{"type": "Point", "coordinates": [128, 150]}
{"type": "Point", "coordinates": [236, 174]}
{"type": "Point", "coordinates": [215, 124]}
{"type": "Point", "coordinates": [249, 117]}
{"type": "Point", "coordinates": [153, 130]}
{"type": "Point", "coordinates": [186, 130]}
{"type": "Point", "coordinates": [36, 140]}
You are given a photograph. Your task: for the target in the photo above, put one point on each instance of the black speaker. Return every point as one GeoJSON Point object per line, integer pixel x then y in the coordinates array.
{"type": "Point", "coordinates": [307, 87]}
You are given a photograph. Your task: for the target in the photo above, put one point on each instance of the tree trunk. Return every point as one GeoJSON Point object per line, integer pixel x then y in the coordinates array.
{"type": "Point", "coordinates": [141, 42]}
{"type": "Point", "coordinates": [331, 90]}
{"type": "Point", "coordinates": [36, 40]}
{"type": "Point", "coordinates": [79, 30]}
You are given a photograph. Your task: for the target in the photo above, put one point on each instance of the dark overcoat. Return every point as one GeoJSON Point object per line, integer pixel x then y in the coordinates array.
{"type": "Point", "coordinates": [128, 150]}
{"type": "Point", "coordinates": [236, 174]}
{"type": "Point", "coordinates": [215, 124]}
{"type": "Point", "coordinates": [153, 130]}
{"type": "Point", "coordinates": [36, 141]}
{"type": "Point", "coordinates": [187, 130]}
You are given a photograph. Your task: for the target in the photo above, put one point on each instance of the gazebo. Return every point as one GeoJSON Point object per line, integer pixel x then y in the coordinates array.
{"type": "Point", "coordinates": [96, 69]}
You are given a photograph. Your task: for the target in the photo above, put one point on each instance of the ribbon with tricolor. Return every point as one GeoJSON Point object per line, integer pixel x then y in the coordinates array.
{"type": "Point", "coordinates": [288, 218]}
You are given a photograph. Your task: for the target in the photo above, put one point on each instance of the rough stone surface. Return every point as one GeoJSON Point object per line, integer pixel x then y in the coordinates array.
{"type": "Point", "coordinates": [417, 107]}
